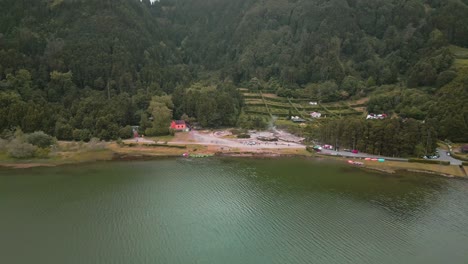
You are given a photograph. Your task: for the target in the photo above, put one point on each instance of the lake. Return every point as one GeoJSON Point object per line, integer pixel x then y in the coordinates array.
{"type": "Point", "coordinates": [229, 211]}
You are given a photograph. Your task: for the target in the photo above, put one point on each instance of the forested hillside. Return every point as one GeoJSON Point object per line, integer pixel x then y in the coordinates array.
{"type": "Point", "coordinates": [82, 68]}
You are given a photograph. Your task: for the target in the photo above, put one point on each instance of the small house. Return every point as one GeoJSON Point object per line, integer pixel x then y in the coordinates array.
{"type": "Point", "coordinates": [179, 125]}
{"type": "Point", "coordinates": [297, 119]}
{"type": "Point", "coordinates": [374, 116]}
{"type": "Point", "coordinates": [315, 115]}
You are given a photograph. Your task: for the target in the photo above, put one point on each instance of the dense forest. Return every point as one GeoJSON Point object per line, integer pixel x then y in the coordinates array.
{"type": "Point", "coordinates": [77, 69]}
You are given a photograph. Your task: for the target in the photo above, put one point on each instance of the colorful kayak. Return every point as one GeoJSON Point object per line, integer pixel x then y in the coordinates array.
{"type": "Point", "coordinates": [358, 163]}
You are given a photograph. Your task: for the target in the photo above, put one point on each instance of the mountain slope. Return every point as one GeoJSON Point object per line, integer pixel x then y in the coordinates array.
{"type": "Point", "coordinates": [93, 65]}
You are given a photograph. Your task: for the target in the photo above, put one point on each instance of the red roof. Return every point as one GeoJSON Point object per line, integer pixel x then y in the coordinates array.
{"type": "Point", "coordinates": [179, 122]}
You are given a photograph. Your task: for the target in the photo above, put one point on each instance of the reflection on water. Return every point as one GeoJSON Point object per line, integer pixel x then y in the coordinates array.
{"type": "Point", "coordinates": [229, 211]}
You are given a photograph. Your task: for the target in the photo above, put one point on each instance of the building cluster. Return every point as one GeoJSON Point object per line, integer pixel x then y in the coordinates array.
{"type": "Point", "coordinates": [374, 116]}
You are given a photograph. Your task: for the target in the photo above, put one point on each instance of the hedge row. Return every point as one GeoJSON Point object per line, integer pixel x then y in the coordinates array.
{"type": "Point", "coordinates": [256, 112]}
{"type": "Point", "coordinates": [358, 105]}
{"type": "Point", "coordinates": [346, 113]}
{"type": "Point", "coordinates": [285, 100]}
{"type": "Point", "coordinates": [337, 107]}
{"type": "Point", "coordinates": [155, 145]}
{"type": "Point", "coordinates": [310, 149]}
{"type": "Point", "coordinates": [458, 157]}
{"type": "Point", "coordinates": [279, 106]}
{"type": "Point", "coordinates": [252, 96]}
{"type": "Point", "coordinates": [428, 161]}
{"type": "Point", "coordinates": [279, 99]}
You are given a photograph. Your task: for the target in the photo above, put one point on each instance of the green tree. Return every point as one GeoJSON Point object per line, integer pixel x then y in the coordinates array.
{"type": "Point", "coordinates": [40, 139]}
{"type": "Point", "coordinates": [161, 111]}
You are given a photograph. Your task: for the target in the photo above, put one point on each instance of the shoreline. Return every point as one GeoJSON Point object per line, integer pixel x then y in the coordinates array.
{"type": "Point", "coordinates": [219, 143]}
{"type": "Point", "coordinates": [391, 168]}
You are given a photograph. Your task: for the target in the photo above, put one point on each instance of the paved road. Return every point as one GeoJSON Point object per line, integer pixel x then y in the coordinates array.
{"type": "Point", "coordinates": [442, 153]}
{"type": "Point", "coordinates": [444, 157]}
{"type": "Point", "coordinates": [359, 155]}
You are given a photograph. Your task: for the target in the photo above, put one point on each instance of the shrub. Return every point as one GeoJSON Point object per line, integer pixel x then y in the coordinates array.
{"type": "Point", "coordinates": [7, 134]}
{"type": "Point", "coordinates": [81, 134]}
{"type": "Point", "coordinates": [441, 162]}
{"type": "Point", "coordinates": [21, 150]}
{"type": "Point", "coordinates": [458, 157]}
{"type": "Point", "coordinates": [243, 136]}
{"type": "Point", "coordinates": [63, 131]}
{"type": "Point", "coordinates": [126, 132]}
{"type": "Point", "coordinates": [150, 132]}
{"type": "Point", "coordinates": [109, 133]}
{"type": "Point", "coordinates": [120, 142]}
{"type": "Point", "coordinates": [445, 77]}
{"type": "Point", "coordinates": [235, 131]}
{"type": "Point", "coordinates": [95, 144]}
{"type": "Point", "coordinates": [40, 139]}
{"type": "Point", "coordinates": [3, 144]}
{"type": "Point", "coordinates": [42, 153]}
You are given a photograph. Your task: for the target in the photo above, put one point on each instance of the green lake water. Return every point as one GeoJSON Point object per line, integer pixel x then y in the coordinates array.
{"type": "Point", "coordinates": [229, 211]}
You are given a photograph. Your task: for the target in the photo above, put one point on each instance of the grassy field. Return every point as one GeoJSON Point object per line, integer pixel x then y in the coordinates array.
{"type": "Point", "coordinates": [59, 158]}
{"type": "Point", "coordinates": [461, 63]}
{"type": "Point", "coordinates": [153, 151]}
{"type": "Point", "coordinates": [461, 56]}
{"type": "Point", "coordinates": [393, 166]}
{"type": "Point", "coordinates": [459, 52]}
{"type": "Point", "coordinates": [162, 138]}
{"type": "Point", "coordinates": [448, 170]}
{"type": "Point", "coordinates": [253, 101]}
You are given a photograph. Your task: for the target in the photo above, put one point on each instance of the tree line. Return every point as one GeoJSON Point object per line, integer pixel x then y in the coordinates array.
{"type": "Point", "coordinates": [388, 137]}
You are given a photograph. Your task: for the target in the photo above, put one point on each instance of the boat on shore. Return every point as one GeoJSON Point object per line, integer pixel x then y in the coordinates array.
{"type": "Point", "coordinates": [357, 163]}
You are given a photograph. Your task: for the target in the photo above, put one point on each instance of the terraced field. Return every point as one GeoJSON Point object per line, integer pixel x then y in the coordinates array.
{"type": "Point", "coordinates": [267, 104]}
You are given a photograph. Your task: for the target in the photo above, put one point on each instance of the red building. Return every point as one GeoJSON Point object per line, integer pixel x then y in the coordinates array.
{"type": "Point", "coordinates": [178, 125]}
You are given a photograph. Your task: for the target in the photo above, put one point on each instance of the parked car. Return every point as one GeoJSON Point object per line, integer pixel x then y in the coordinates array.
{"type": "Point", "coordinates": [355, 151]}
{"type": "Point", "coordinates": [431, 157]}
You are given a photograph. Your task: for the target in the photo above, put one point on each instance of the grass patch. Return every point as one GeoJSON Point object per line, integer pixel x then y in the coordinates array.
{"type": "Point", "coordinates": [459, 63]}
{"type": "Point", "coordinates": [461, 56]}
{"type": "Point", "coordinates": [161, 138]}
{"type": "Point", "coordinates": [459, 52]}
{"type": "Point", "coordinates": [393, 166]}
{"type": "Point", "coordinates": [4, 156]}
{"type": "Point", "coordinates": [86, 156]}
